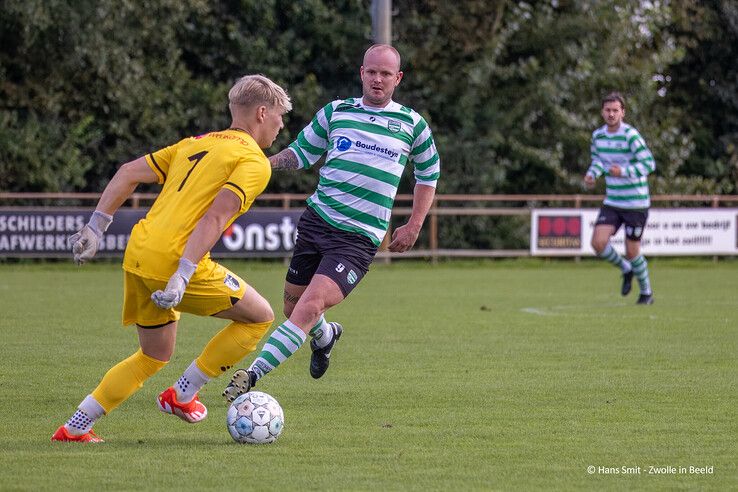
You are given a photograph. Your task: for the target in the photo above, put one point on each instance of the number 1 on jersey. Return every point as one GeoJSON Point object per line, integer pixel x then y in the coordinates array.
{"type": "Point", "coordinates": [195, 159]}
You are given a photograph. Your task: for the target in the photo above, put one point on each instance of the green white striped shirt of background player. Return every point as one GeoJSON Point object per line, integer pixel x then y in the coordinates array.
{"type": "Point", "coordinates": [367, 150]}
{"type": "Point", "coordinates": [627, 149]}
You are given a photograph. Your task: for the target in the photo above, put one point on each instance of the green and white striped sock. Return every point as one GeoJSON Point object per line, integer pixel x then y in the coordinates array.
{"type": "Point", "coordinates": [613, 257]}
{"type": "Point", "coordinates": [322, 333]}
{"type": "Point", "coordinates": [283, 342]}
{"type": "Point", "coordinates": [640, 268]}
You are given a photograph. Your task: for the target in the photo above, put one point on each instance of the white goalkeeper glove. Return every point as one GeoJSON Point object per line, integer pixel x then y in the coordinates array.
{"type": "Point", "coordinates": [85, 242]}
{"type": "Point", "coordinates": [173, 292]}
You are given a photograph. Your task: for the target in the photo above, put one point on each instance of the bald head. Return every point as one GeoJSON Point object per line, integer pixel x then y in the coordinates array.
{"type": "Point", "coordinates": [383, 49]}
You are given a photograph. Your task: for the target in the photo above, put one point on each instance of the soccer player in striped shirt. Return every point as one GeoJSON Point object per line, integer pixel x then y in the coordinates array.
{"type": "Point", "coordinates": [368, 141]}
{"type": "Point", "coordinates": [620, 154]}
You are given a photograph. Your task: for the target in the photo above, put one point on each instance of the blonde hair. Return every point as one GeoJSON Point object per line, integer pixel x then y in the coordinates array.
{"type": "Point", "coordinates": [252, 90]}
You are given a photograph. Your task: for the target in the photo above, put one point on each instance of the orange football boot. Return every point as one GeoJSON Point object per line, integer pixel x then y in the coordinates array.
{"type": "Point", "coordinates": [62, 434]}
{"type": "Point", "coordinates": [192, 412]}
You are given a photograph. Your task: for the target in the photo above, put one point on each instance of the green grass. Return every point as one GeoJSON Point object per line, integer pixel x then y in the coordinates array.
{"type": "Point", "coordinates": [512, 375]}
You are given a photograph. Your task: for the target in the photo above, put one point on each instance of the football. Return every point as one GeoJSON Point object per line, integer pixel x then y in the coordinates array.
{"type": "Point", "coordinates": [255, 418]}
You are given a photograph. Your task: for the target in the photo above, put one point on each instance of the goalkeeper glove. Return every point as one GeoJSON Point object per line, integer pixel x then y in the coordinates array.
{"type": "Point", "coordinates": [173, 292]}
{"type": "Point", "coordinates": [85, 242]}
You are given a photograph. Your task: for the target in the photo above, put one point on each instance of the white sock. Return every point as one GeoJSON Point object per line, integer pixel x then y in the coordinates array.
{"type": "Point", "coordinates": [190, 383]}
{"type": "Point", "coordinates": [84, 418]}
{"type": "Point", "coordinates": [322, 333]}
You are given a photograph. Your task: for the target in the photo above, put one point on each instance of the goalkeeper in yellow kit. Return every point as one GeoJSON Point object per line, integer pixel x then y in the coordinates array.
{"type": "Point", "coordinates": [208, 181]}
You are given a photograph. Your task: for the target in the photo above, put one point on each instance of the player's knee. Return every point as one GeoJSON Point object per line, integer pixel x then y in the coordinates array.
{"type": "Point", "coordinates": [311, 308]}
{"type": "Point", "coordinates": [598, 245]}
{"type": "Point", "coordinates": [161, 353]}
{"type": "Point", "coordinates": [266, 315]}
{"type": "Point", "coordinates": [257, 311]}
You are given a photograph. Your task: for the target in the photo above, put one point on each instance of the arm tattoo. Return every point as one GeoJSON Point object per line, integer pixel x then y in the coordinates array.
{"type": "Point", "coordinates": [286, 160]}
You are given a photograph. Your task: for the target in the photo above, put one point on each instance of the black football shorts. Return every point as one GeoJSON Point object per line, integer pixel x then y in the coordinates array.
{"type": "Point", "coordinates": [342, 256]}
{"type": "Point", "coordinates": [634, 220]}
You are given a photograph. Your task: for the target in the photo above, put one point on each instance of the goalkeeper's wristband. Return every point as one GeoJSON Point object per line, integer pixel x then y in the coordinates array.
{"type": "Point", "coordinates": [99, 222]}
{"type": "Point", "coordinates": [186, 269]}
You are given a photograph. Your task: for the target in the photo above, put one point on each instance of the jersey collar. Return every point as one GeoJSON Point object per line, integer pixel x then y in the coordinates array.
{"type": "Point", "coordinates": [389, 107]}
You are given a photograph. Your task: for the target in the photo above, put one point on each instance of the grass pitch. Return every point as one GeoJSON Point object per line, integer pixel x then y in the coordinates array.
{"type": "Point", "coordinates": [512, 375]}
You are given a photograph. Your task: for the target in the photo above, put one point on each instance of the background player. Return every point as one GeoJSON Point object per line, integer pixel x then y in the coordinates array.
{"type": "Point", "coordinates": [621, 155]}
{"type": "Point", "coordinates": [208, 181]}
{"type": "Point", "coordinates": [368, 141]}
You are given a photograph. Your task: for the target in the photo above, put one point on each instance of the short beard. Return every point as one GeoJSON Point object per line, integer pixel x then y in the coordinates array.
{"type": "Point", "coordinates": [374, 101]}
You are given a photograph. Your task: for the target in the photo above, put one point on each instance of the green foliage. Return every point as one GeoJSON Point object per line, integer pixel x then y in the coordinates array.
{"type": "Point", "coordinates": [520, 85]}
{"type": "Point", "coordinates": [511, 89]}
{"type": "Point", "coordinates": [92, 78]}
{"type": "Point", "coordinates": [704, 86]}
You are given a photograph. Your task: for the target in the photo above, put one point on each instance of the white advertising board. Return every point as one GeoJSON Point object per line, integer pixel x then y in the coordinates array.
{"type": "Point", "coordinates": [669, 231]}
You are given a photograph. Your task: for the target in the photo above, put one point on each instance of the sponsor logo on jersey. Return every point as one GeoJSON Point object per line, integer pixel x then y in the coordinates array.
{"type": "Point", "coordinates": [351, 277]}
{"type": "Point", "coordinates": [394, 126]}
{"type": "Point", "coordinates": [231, 282]}
{"type": "Point", "coordinates": [340, 268]}
{"type": "Point", "coordinates": [343, 144]}
{"type": "Point", "coordinates": [391, 153]}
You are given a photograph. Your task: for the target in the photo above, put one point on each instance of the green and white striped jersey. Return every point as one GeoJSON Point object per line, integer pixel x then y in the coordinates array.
{"type": "Point", "coordinates": [367, 149]}
{"type": "Point", "coordinates": [627, 149]}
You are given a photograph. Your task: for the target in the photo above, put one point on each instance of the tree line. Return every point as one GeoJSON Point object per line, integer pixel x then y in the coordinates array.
{"type": "Point", "coordinates": [511, 90]}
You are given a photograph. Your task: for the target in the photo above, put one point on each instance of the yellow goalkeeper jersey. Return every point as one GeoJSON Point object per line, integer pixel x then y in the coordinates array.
{"type": "Point", "coordinates": [193, 171]}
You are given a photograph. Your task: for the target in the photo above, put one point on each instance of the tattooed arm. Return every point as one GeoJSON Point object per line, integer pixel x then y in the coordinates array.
{"type": "Point", "coordinates": [285, 160]}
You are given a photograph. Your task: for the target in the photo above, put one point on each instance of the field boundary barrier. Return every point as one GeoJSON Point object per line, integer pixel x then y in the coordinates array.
{"type": "Point", "coordinates": [444, 205]}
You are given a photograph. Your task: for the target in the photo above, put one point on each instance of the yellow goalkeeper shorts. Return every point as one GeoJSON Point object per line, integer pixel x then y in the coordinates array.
{"type": "Point", "coordinates": [208, 293]}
